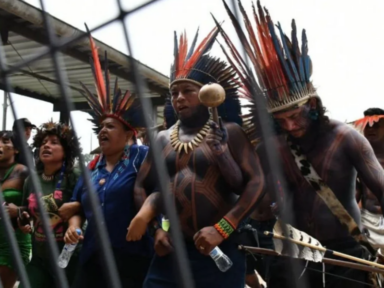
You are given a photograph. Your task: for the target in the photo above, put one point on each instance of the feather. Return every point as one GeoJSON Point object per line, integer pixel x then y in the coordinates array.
{"type": "Point", "coordinates": [98, 74]}
{"type": "Point", "coordinates": [116, 95]}
{"type": "Point", "coordinates": [183, 47]}
{"type": "Point", "coordinates": [192, 48]}
{"type": "Point", "coordinates": [292, 71]}
{"type": "Point", "coordinates": [106, 75]}
{"type": "Point", "coordinates": [305, 57]}
{"type": "Point", "coordinates": [294, 250]}
{"type": "Point", "coordinates": [296, 52]}
{"type": "Point", "coordinates": [203, 48]}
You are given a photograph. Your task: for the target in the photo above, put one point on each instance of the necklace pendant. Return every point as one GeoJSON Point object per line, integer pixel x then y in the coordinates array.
{"type": "Point", "coordinates": [102, 182]}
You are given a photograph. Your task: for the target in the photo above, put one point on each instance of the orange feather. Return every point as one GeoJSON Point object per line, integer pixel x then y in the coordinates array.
{"type": "Point", "coordinates": [100, 85]}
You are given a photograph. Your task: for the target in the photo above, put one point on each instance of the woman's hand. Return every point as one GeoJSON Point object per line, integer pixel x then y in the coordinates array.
{"type": "Point", "coordinates": [12, 210]}
{"type": "Point", "coordinates": [71, 236]}
{"type": "Point", "coordinates": [137, 228]}
{"type": "Point", "coordinates": [26, 229]}
{"type": "Point", "coordinates": [67, 210]}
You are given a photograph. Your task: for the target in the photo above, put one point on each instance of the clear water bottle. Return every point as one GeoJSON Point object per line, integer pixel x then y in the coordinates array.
{"type": "Point", "coordinates": [67, 252]}
{"type": "Point", "coordinates": [222, 261]}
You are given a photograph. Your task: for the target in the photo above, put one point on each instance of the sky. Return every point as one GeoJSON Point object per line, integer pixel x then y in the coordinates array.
{"type": "Point", "coordinates": [345, 45]}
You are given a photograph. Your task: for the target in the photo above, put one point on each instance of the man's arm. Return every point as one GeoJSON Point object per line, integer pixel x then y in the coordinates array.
{"type": "Point", "coordinates": [217, 140]}
{"type": "Point", "coordinates": [146, 179]}
{"type": "Point", "coordinates": [246, 158]}
{"type": "Point", "coordinates": [366, 164]}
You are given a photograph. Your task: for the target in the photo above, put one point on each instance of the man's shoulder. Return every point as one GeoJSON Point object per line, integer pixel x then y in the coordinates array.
{"type": "Point", "coordinates": [345, 131]}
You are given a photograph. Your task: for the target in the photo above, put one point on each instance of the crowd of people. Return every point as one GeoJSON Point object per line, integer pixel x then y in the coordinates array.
{"type": "Point", "coordinates": [219, 174]}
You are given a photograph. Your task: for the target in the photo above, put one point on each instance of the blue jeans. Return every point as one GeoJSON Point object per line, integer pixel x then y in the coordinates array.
{"type": "Point", "coordinates": [163, 273]}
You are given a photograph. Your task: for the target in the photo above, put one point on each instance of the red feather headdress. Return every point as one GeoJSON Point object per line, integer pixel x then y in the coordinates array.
{"type": "Point", "coordinates": [196, 66]}
{"type": "Point", "coordinates": [282, 70]}
{"type": "Point", "coordinates": [123, 107]}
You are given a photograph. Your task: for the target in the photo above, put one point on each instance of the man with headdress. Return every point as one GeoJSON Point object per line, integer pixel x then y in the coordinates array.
{"type": "Point", "coordinates": [372, 126]}
{"type": "Point", "coordinates": [208, 163]}
{"type": "Point", "coordinates": [320, 156]}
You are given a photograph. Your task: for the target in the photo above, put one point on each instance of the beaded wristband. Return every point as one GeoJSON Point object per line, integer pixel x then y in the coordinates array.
{"type": "Point", "coordinates": [224, 227]}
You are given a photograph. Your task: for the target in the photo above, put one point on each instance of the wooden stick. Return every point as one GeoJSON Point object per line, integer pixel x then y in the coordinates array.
{"type": "Point", "coordinates": [342, 255]}
{"type": "Point", "coordinates": [215, 115]}
{"type": "Point", "coordinates": [329, 261]}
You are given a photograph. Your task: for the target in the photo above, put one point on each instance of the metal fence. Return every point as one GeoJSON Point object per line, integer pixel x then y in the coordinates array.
{"type": "Point", "coordinates": [55, 46]}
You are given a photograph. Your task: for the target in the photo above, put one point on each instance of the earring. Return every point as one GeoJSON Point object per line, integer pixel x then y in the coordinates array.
{"type": "Point", "coordinates": [313, 114]}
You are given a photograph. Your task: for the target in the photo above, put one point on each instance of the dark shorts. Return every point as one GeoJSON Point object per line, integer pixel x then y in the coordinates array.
{"type": "Point", "coordinates": [281, 274]}
{"type": "Point", "coordinates": [260, 262]}
{"type": "Point", "coordinates": [131, 269]}
{"type": "Point", "coordinates": [162, 273]}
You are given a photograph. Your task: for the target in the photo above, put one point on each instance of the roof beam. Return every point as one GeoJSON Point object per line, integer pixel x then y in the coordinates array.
{"type": "Point", "coordinates": [37, 36]}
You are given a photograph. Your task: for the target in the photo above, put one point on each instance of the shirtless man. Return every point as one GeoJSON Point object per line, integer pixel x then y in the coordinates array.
{"type": "Point", "coordinates": [371, 212]}
{"type": "Point", "coordinates": [335, 150]}
{"type": "Point", "coordinates": [205, 181]}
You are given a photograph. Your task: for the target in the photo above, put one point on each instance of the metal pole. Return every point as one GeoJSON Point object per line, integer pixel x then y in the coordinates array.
{"type": "Point", "coordinates": [5, 108]}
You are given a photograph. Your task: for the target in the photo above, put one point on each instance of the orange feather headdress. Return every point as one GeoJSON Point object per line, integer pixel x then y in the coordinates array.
{"type": "Point", "coordinates": [123, 107]}
{"type": "Point", "coordinates": [370, 120]}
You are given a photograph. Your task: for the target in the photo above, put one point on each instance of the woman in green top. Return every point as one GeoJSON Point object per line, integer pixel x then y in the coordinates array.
{"type": "Point", "coordinates": [12, 177]}
{"type": "Point", "coordinates": [55, 169]}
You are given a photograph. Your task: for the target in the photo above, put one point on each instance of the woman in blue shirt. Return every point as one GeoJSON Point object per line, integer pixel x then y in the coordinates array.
{"type": "Point", "coordinates": [113, 176]}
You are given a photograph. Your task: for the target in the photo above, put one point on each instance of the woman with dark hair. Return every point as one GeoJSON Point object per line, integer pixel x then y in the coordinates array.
{"type": "Point", "coordinates": [113, 175]}
{"type": "Point", "coordinates": [12, 177]}
{"type": "Point", "coordinates": [55, 169]}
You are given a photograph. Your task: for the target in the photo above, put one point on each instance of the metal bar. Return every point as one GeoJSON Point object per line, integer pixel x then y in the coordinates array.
{"type": "Point", "coordinates": [185, 279]}
{"type": "Point", "coordinates": [101, 231]}
{"type": "Point", "coordinates": [275, 165]}
{"type": "Point", "coordinates": [11, 238]}
{"type": "Point", "coordinates": [61, 281]}
{"type": "Point", "coordinates": [5, 108]}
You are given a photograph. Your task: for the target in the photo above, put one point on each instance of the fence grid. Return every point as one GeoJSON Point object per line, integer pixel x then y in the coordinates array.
{"type": "Point", "coordinates": [55, 46]}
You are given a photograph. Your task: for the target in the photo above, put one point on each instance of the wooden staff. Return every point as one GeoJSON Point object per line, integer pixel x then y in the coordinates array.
{"type": "Point", "coordinates": [314, 247]}
{"type": "Point", "coordinates": [325, 260]}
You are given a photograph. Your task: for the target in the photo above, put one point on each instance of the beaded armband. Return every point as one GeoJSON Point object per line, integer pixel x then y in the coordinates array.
{"type": "Point", "coordinates": [224, 227]}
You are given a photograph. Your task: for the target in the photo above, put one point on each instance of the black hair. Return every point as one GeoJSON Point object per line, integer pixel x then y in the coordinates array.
{"type": "Point", "coordinates": [373, 111]}
{"type": "Point", "coordinates": [15, 141]}
{"type": "Point", "coordinates": [321, 124]}
{"type": "Point", "coordinates": [67, 141]}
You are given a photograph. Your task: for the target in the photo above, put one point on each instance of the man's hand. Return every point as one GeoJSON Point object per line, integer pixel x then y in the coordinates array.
{"type": "Point", "coordinates": [67, 210]}
{"type": "Point", "coordinates": [207, 239]}
{"type": "Point", "coordinates": [26, 229]}
{"type": "Point", "coordinates": [12, 210]}
{"type": "Point", "coordinates": [136, 228]}
{"type": "Point", "coordinates": [217, 138]}
{"type": "Point", "coordinates": [163, 243]}
{"type": "Point", "coordinates": [71, 236]}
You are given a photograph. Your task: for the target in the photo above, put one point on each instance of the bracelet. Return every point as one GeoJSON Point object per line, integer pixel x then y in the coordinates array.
{"type": "Point", "coordinates": [224, 227]}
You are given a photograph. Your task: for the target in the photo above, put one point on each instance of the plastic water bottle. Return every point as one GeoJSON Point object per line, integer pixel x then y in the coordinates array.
{"type": "Point", "coordinates": [222, 261]}
{"type": "Point", "coordinates": [67, 252]}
